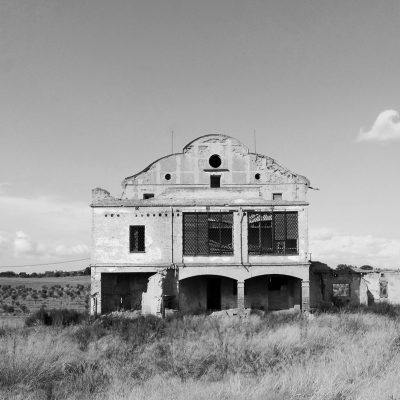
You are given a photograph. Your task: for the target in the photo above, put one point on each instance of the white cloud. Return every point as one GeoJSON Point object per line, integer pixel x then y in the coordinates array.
{"type": "Point", "coordinates": [336, 248]}
{"type": "Point", "coordinates": [4, 242]}
{"type": "Point", "coordinates": [385, 128]}
{"type": "Point", "coordinates": [24, 245]}
{"type": "Point", "coordinates": [68, 251]}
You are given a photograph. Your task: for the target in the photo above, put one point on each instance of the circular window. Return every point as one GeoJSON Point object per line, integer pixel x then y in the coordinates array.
{"type": "Point", "coordinates": [215, 161]}
{"type": "Point", "coordinates": [257, 176]}
{"type": "Point", "coordinates": [167, 177]}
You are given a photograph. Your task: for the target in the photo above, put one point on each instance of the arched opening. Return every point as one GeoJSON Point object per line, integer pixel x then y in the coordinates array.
{"type": "Point", "coordinates": [273, 292]}
{"type": "Point", "coordinates": [207, 293]}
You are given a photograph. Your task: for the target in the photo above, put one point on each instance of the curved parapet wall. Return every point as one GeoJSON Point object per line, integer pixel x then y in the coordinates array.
{"type": "Point", "coordinates": [219, 157]}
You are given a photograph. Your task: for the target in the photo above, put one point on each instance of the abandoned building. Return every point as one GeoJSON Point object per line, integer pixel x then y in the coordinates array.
{"type": "Point", "coordinates": [211, 228]}
{"type": "Point", "coordinates": [352, 286]}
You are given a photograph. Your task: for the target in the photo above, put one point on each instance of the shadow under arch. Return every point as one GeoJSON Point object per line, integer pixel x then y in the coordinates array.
{"type": "Point", "coordinates": [211, 292]}
{"type": "Point", "coordinates": [270, 292]}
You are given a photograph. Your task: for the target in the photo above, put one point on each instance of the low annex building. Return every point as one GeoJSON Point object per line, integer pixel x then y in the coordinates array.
{"type": "Point", "coordinates": [211, 228]}
{"type": "Point", "coordinates": [352, 286]}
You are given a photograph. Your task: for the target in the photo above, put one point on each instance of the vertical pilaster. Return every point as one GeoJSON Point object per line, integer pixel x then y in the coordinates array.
{"type": "Point", "coordinates": [240, 294]}
{"type": "Point", "coordinates": [95, 292]}
{"type": "Point", "coordinates": [305, 296]}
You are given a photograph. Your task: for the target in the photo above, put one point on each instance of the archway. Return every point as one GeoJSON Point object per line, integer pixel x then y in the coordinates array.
{"type": "Point", "coordinates": [273, 292]}
{"type": "Point", "coordinates": [207, 293]}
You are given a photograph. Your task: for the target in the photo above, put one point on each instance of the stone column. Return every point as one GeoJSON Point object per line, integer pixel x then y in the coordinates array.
{"type": "Point", "coordinates": [240, 294]}
{"type": "Point", "coordinates": [305, 296]}
{"type": "Point", "coordinates": [95, 292]}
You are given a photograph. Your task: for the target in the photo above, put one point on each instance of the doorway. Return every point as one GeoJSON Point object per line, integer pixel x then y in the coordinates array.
{"type": "Point", "coordinates": [213, 293]}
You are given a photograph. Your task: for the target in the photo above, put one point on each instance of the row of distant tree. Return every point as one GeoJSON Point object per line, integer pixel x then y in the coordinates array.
{"type": "Point", "coordinates": [46, 274]}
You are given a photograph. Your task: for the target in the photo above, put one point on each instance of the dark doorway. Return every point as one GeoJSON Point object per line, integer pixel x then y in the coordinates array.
{"type": "Point", "coordinates": [213, 293]}
{"type": "Point", "coordinates": [123, 291]}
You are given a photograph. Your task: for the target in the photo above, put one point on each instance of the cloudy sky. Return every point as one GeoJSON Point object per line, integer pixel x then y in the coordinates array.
{"type": "Point", "coordinates": [90, 91]}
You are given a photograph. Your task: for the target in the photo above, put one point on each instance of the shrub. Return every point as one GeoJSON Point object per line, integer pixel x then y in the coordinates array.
{"type": "Point", "coordinates": [136, 331]}
{"type": "Point", "coordinates": [391, 310]}
{"type": "Point", "coordinates": [7, 308]}
{"type": "Point", "coordinates": [88, 333]}
{"type": "Point", "coordinates": [56, 317]}
{"type": "Point", "coordinates": [24, 308]}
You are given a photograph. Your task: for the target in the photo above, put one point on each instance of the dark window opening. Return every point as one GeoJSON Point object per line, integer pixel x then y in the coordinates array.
{"type": "Point", "coordinates": [277, 196]}
{"type": "Point", "coordinates": [215, 161]}
{"type": "Point", "coordinates": [207, 233]}
{"type": "Point", "coordinates": [136, 239]}
{"type": "Point", "coordinates": [167, 177]}
{"type": "Point", "coordinates": [257, 176]}
{"type": "Point", "coordinates": [215, 181]}
{"type": "Point", "coordinates": [383, 289]}
{"type": "Point", "coordinates": [273, 233]}
{"type": "Point", "coordinates": [148, 195]}
{"type": "Point", "coordinates": [341, 289]}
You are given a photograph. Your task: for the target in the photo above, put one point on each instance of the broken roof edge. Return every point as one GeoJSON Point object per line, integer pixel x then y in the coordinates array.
{"type": "Point", "coordinates": [154, 202]}
{"type": "Point", "coordinates": [123, 183]}
{"type": "Point", "coordinates": [186, 148]}
{"type": "Point", "coordinates": [210, 135]}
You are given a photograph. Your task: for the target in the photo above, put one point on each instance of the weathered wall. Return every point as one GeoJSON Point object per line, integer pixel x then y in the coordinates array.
{"type": "Point", "coordinates": [123, 291]}
{"type": "Point", "coordinates": [163, 232]}
{"type": "Point", "coordinates": [322, 279]}
{"type": "Point", "coordinates": [373, 280]}
{"type": "Point", "coordinates": [238, 167]}
{"type": "Point", "coordinates": [110, 242]}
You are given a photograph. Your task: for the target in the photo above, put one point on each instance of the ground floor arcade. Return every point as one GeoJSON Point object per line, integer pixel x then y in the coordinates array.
{"type": "Point", "coordinates": [199, 289]}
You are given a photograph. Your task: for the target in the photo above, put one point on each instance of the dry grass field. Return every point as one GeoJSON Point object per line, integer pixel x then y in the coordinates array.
{"type": "Point", "coordinates": [345, 355]}
{"type": "Point", "coordinates": [25, 295]}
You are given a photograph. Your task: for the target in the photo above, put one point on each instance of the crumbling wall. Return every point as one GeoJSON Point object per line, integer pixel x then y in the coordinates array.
{"type": "Point", "coordinates": [152, 297]}
{"type": "Point", "coordinates": [322, 281]}
{"type": "Point", "coordinates": [123, 291]}
{"type": "Point", "coordinates": [383, 285]}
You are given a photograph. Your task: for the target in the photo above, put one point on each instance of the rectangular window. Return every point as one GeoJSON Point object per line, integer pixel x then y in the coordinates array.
{"type": "Point", "coordinates": [136, 239]}
{"type": "Point", "coordinates": [341, 289]}
{"type": "Point", "coordinates": [383, 289]}
{"type": "Point", "coordinates": [277, 196]}
{"type": "Point", "coordinates": [273, 233]}
{"type": "Point", "coordinates": [207, 234]}
{"type": "Point", "coordinates": [215, 181]}
{"type": "Point", "coordinates": [148, 196]}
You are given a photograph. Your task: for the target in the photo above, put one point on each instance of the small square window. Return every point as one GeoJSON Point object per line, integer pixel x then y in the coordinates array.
{"type": "Point", "coordinates": [215, 181]}
{"type": "Point", "coordinates": [148, 195]}
{"type": "Point", "coordinates": [136, 239]}
{"type": "Point", "coordinates": [277, 196]}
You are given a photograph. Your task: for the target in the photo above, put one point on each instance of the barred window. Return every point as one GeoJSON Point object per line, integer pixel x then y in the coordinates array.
{"type": "Point", "coordinates": [207, 234]}
{"type": "Point", "coordinates": [136, 238]}
{"type": "Point", "coordinates": [273, 233]}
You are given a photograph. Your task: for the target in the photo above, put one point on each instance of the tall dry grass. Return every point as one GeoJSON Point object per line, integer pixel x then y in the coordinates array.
{"type": "Point", "coordinates": [334, 356]}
